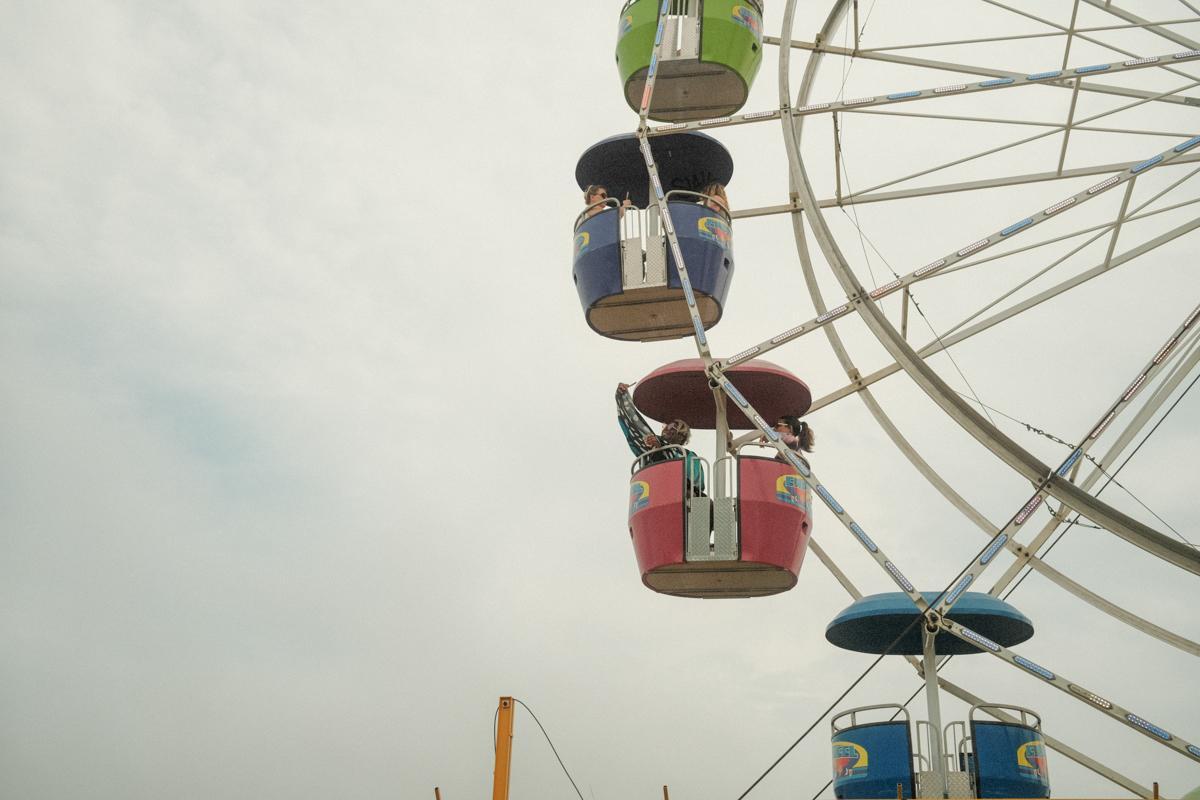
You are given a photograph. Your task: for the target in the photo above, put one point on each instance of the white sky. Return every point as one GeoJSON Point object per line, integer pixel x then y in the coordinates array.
{"type": "Point", "coordinates": [309, 455]}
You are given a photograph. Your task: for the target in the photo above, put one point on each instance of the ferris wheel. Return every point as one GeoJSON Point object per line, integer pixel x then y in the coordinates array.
{"type": "Point", "coordinates": [1112, 170]}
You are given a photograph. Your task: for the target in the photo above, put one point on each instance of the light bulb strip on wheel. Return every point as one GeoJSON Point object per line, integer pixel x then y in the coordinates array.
{"type": "Point", "coordinates": [1089, 698]}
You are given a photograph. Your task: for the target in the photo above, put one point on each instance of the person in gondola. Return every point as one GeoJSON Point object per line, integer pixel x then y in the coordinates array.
{"type": "Point", "coordinates": [594, 197]}
{"type": "Point", "coordinates": [716, 200]}
{"type": "Point", "coordinates": [796, 435]}
{"type": "Point", "coordinates": [666, 446]}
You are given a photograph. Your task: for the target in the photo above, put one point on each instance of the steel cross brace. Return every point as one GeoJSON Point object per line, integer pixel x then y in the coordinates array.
{"type": "Point", "coordinates": [1056, 77]}
{"type": "Point", "coordinates": [950, 259]}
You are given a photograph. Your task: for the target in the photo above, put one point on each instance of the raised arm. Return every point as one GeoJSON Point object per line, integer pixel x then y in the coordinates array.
{"type": "Point", "coordinates": [638, 433]}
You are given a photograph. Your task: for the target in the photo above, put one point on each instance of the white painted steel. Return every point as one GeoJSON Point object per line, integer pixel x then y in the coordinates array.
{"type": "Point", "coordinates": [1019, 460]}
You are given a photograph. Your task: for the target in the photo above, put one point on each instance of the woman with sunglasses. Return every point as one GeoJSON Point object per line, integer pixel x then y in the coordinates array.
{"type": "Point", "coordinates": [595, 197]}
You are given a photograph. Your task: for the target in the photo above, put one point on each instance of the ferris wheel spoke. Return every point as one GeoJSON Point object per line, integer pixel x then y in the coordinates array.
{"type": "Point", "coordinates": [1018, 37]}
{"type": "Point", "coordinates": [858, 198]}
{"type": "Point", "coordinates": [1064, 78]}
{"type": "Point", "coordinates": [1070, 123]}
{"type": "Point", "coordinates": [989, 72]}
{"type": "Point", "coordinates": [1000, 148]}
{"type": "Point", "coordinates": [1122, 217]}
{"type": "Point", "coordinates": [1153, 27]}
{"type": "Point", "coordinates": [950, 259]}
{"type": "Point", "coordinates": [1010, 121]}
{"type": "Point", "coordinates": [1070, 35]}
{"type": "Point", "coordinates": [952, 339]}
{"type": "Point", "coordinates": [1098, 767]}
{"type": "Point", "coordinates": [988, 183]}
{"type": "Point", "coordinates": [1075, 690]}
{"type": "Point", "coordinates": [1160, 31]}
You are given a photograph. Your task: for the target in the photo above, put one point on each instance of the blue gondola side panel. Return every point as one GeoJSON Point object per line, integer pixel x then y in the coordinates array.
{"type": "Point", "coordinates": [706, 241]}
{"type": "Point", "coordinates": [1010, 760]}
{"type": "Point", "coordinates": [870, 760]}
{"type": "Point", "coordinates": [597, 258]}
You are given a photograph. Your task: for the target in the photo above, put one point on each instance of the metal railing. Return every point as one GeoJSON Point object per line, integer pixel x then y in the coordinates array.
{"type": "Point", "coordinates": [757, 4]}
{"type": "Point", "coordinates": [682, 454]}
{"type": "Point", "coordinates": [853, 713]}
{"type": "Point", "coordinates": [711, 202]}
{"type": "Point", "coordinates": [1024, 712]}
{"type": "Point", "coordinates": [594, 209]}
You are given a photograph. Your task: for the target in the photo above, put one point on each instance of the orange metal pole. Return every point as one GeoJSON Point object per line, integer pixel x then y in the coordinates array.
{"type": "Point", "coordinates": [437, 793]}
{"type": "Point", "coordinates": [504, 737]}
{"type": "Point", "coordinates": [666, 796]}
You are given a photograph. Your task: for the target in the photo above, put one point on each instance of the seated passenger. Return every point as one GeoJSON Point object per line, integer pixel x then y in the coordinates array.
{"type": "Point", "coordinates": [717, 201]}
{"type": "Point", "coordinates": [595, 197]}
{"type": "Point", "coordinates": [643, 440]}
{"type": "Point", "coordinates": [796, 436]}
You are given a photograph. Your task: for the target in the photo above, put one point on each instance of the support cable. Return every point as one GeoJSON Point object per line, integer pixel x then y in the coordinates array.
{"type": "Point", "coordinates": [917, 619]}
{"type": "Point", "coordinates": [863, 238]}
{"type": "Point", "coordinates": [987, 555]}
{"type": "Point", "coordinates": [549, 742]}
{"type": "Point", "coordinates": [1111, 479]}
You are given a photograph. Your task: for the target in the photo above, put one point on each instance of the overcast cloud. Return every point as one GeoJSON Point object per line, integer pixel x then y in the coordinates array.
{"type": "Point", "coordinates": [309, 455]}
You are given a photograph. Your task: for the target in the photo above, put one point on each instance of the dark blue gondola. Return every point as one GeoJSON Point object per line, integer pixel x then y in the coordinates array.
{"type": "Point", "coordinates": [625, 273]}
{"type": "Point", "coordinates": [873, 755]}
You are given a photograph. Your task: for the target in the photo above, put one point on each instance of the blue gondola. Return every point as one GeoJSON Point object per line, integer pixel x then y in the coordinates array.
{"type": "Point", "coordinates": [624, 272]}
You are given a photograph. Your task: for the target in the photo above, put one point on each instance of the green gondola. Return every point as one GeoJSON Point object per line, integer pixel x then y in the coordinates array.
{"type": "Point", "coordinates": [711, 52]}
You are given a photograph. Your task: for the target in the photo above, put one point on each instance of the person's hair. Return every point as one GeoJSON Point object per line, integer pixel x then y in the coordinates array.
{"type": "Point", "coordinates": [802, 430]}
{"type": "Point", "coordinates": [714, 188]}
{"type": "Point", "coordinates": [682, 432]}
{"type": "Point", "coordinates": [591, 190]}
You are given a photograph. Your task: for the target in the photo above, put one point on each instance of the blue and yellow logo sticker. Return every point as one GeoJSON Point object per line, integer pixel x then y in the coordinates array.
{"type": "Point", "coordinates": [791, 489]}
{"type": "Point", "coordinates": [715, 229]}
{"type": "Point", "coordinates": [582, 240]}
{"type": "Point", "coordinates": [626, 25]}
{"type": "Point", "coordinates": [748, 18]}
{"type": "Point", "coordinates": [849, 759]}
{"type": "Point", "coordinates": [1031, 759]}
{"type": "Point", "coordinates": [639, 496]}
